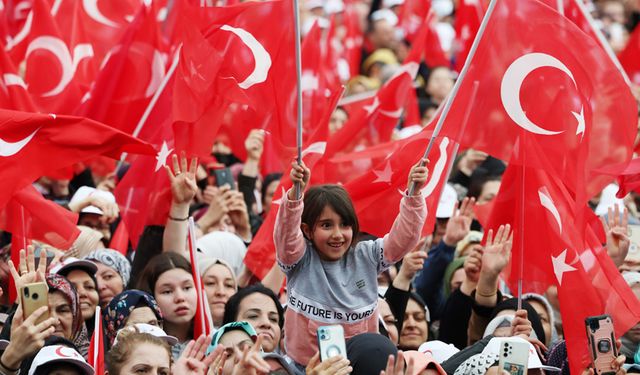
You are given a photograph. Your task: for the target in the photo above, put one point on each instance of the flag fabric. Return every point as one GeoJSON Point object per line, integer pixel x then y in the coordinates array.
{"type": "Point", "coordinates": [467, 22]}
{"type": "Point", "coordinates": [13, 89]}
{"type": "Point", "coordinates": [523, 79]}
{"type": "Point", "coordinates": [412, 16]}
{"type": "Point", "coordinates": [33, 144]}
{"type": "Point", "coordinates": [630, 56]}
{"type": "Point", "coordinates": [426, 44]}
{"type": "Point", "coordinates": [202, 322]}
{"type": "Point", "coordinates": [96, 346]}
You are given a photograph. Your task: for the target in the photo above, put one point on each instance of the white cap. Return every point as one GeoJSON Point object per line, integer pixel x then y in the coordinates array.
{"type": "Point", "coordinates": [608, 200]}
{"type": "Point", "coordinates": [86, 191]}
{"type": "Point", "coordinates": [71, 263]}
{"type": "Point", "coordinates": [385, 14]}
{"type": "Point", "coordinates": [391, 3]}
{"type": "Point", "coordinates": [150, 329]}
{"type": "Point", "coordinates": [447, 202]}
{"type": "Point", "coordinates": [60, 354]}
{"type": "Point", "coordinates": [493, 347]}
{"type": "Point", "coordinates": [333, 6]}
{"type": "Point", "coordinates": [440, 351]}
{"type": "Point", "coordinates": [312, 4]}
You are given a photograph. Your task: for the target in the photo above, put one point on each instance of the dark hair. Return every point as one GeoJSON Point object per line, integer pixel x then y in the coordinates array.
{"type": "Point", "coordinates": [232, 308]}
{"type": "Point", "coordinates": [335, 196]}
{"type": "Point", "coordinates": [159, 265]}
{"type": "Point", "coordinates": [268, 179]}
{"type": "Point", "coordinates": [478, 180]}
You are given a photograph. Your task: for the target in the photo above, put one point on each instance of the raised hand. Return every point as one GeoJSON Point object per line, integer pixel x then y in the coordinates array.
{"type": "Point", "coordinates": [337, 365]}
{"type": "Point", "coordinates": [521, 324]}
{"type": "Point", "coordinates": [299, 174]}
{"type": "Point", "coordinates": [183, 179]}
{"type": "Point", "coordinates": [193, 361]}
{"type": "Point", "coordinates": [249, 361]}
{"type": "Point", "coordinates": [254, 144]}
{"type": "Point", "coordinates": [411, 264]}
{"type": "Point", "coordinates": [27, 271]}
{"type": "Point", "coordinates": [473, 264]}
{"type": "Point", "coordinates": [26, 336]}
{"type": "Point", "coordinates": [395, 366]}
{"type": "Point", "coordinates": [497, 250]}
{"type": "Point", "coordinates": [617, 240]}
{"type": "Point", "coordinates": [459, 224]}
{"type": "Point", "coordinates": [418, 176]}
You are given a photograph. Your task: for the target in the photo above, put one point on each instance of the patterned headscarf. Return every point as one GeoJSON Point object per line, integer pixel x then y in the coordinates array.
{"type": "Point", "coordinates": [117, 312]}
{"type": "Point", "coordinates": [112, 258]}
{"type": "Point", "coordinates": [60, 284]}
{"type": "Point", "coordinates": [477, 364]}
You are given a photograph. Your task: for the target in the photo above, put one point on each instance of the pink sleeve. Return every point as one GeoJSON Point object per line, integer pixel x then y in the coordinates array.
{"type": "Point", "coordinates": [406, 230]}
{"type": "Point", "coordinates": [287, 235]}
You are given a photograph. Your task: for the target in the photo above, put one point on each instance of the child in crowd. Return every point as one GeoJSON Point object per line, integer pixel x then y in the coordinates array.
{"type": "Point", "coordinates": [330, 278]}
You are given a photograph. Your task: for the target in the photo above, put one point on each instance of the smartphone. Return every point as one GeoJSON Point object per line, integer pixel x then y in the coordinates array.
{"type": "Point", "coordinates": [633, 255]}
{"type": "Point", "coordinates": [514, 356]}
{"type": "Point", "coordinates": [602, 343]}
{"type": "Point", "coordinates": [331, 342]}
{"type": "Point", "coordinates": [32, 297]}
{"type": "Point", "coordinates": [224, 177]}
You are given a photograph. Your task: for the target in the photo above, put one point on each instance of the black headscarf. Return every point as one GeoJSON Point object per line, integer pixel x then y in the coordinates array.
{"type": "Point", "coordinates": [532, 315]}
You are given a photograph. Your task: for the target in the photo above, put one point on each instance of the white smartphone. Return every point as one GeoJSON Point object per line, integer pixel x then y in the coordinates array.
{"type": "Point", "coordinates": [331, 342]}
{"type": "Point", "coordinates": [514, 356]}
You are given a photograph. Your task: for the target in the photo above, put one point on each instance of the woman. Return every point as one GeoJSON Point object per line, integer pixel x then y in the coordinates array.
{"type": "Point", "coordinates": [113, 273]}
{"type": "Point", "coordinates": [65, 305]}
{"type": "Point", "coordinates": [168, 278]}
{"type": "Point", "coordinates": [82, 274]}
{"type": "Point", "coordinates": [415, 325]}
{"type": "Point", "coordinates": [260, 307]}
{"type": "Point", "coordinates": [219, 283]}
{"type": "Point", "coordinates": [128, 308]}
{"type": "Point", "coordinates": [138, 353]}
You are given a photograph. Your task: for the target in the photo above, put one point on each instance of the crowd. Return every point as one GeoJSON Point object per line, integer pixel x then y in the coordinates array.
{"type": "Point", "coordinates": [408, 304]}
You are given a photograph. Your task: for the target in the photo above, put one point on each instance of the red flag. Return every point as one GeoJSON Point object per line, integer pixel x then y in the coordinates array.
{"type": "Point", "coordinates": [353, 39]}
{"type": "Point", "coordinates": [412, 16]}
{"type": "Point", "coordinates": [427, 44]}
{"type": "Point", "coordinates": [13, 89]}
{"type": "Point", "coordinates": [96, 346]}
{"type": "Point", "coordinates": [33, 144]}
{"type": "Point", "coordinates": [467, 22]}
{"type": "Point", "coordinates": [202, 322]}
{"type": "Point", "coordinates": [120, 239]}
{"type": "Point", "coordinates": [524, 80]}
{"type": "Point", "coordinates": [630, 56]}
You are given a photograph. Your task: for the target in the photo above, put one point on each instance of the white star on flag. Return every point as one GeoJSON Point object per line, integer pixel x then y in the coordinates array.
{"type": "Point", "coordinates": [385, 174]}
{"type": "Point", "coordinates": [373, 106]}
{"type": "Point", "coordinates": [581, 124]}
{"type": "Point", "coordinates": [560, 266]}
{"type": "Point", "coordinates": [162, 156]}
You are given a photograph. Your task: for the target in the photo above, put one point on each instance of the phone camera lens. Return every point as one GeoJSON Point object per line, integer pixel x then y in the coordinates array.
{"type": "Point", "coordinates": [323, 337]}
{"type": "Point", "coordinates": [604, 346]}
{"type": "Point", "coordinates": [26, 292]}
{"type": "Point", "coordinates": [35, 295]}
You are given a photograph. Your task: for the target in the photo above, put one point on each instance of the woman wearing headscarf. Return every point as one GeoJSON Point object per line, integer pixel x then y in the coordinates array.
{"type": "Point", "coordinates": [219, 283]}
{"type": "Point", "coordinates": [64, 304]}
{"type": "Point", "coordinates": [128, 308]}
{"type": "Point", "coordinates": [114, 271]}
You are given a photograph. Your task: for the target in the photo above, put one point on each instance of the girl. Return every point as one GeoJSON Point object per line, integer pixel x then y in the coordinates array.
{"type": "Point", "coordinates": [330, 279]}
{"type": "Point", "coordinates": [168, 278]}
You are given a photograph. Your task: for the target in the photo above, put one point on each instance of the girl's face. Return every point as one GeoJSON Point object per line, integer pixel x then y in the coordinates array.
{"type": "Point", "coordinates": [219, 286]}
{"type": "Point", "coordinates": [330, 235]}
{"type": "Point", "coordinates": [110, 283]}
{"type": "Point", "coordinates": [87, 292]}
{"type": "Point", "coordinates": [147, 358]}
{"type": "Point", "coordinates": [261, 312]}
{"type": "Point", "coordinates": [176, 295]}
{"type": "Point", "coordinates": [59, 307]}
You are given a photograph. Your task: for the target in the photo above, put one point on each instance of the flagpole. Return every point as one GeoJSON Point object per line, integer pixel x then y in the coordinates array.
{"type": "Point", "coordinates": [296, 17]}
{"type": "Point", "coordinates": [456, 86]}
{"type": "Point", "coordinates": [603, 42]}
{"type": "Point", "coordinates": [521, 234]}
{"type": "Point", "coordinates": [195, 267]}
{"type": "Point", "coordinates": [96, 336]}
{"type": "Point", "coordinates": [154, 100]}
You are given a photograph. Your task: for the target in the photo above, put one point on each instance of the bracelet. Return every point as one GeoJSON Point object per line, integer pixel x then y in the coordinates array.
{"type": "Point", "coordinates": [178, 218]}
{"type": "Point", "coordinates": [485, 295]}
{"type": "Point", "coordinates": [7, 367]}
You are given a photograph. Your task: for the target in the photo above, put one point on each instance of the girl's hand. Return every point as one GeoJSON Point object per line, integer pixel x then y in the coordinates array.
{"type": "Point", "coordinates": [299, 174]}
{"type": "Point", "coordinates": [183, 179]}
{"type": "Point", "coordinates": [335, 365]}
{"type": "Point", "coordinates": [418, 176]}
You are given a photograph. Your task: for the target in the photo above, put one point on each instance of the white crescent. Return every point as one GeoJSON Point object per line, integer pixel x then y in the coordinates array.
{"type": "Point", "coordinates": [59, 49]}
{"type": "Point", "coordinates": [512, 82]}
{"type": "Point", "coordinates": [11, 79]}
{"type": "Point", "coordinates": [260, 55]}
{"type": "Point", "coordinates": [12, 148]}
{"type": "Point", "coordinates": [547, 202]}
{"type": "Point", "coordinates": [315, 148]}
{"type": "Point", "coordinates": [21, 35]}
{"type": "Point", "coordinates": [438, 169]}
{"type": "Point", "coordinates": [91, 8]}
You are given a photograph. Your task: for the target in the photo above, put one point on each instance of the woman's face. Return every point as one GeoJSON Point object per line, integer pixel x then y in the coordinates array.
{"type": "Point", "coordinates": [143, 315]}
{"type": "Point", "coordinates": [219, 286]}
{"type": "Point", "coordinates": [415, 328]}
{"type": "Point", "coordinates": [87, 292]}
{"type": "Point", "coordinates": [110, 283]}
{"type": "Point", "coordinates": [176, 295]}
{"type": "Point", "coordinates": [268, 196]}
{"type": "Point", "coordinates": [147, 358]}
{"type": "Point", "coordinates": [59, 307]}
{"type": "Point", "coordinates": [389, 320]}
{"type": "Point", "coordinates": [545, 319]}
{"type": "Point", "coordinates": [261, 312]}
{"type": "Point", "coordinates": [234, 339]}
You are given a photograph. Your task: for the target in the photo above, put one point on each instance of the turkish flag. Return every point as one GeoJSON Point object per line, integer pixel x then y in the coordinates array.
{"type": "Point", "coordinates": [523, 79]}
{"type": "Point", "coordinates": [33, 144]}
{"type": "Point", "coordinates": [412, 16]}
{"type": "Point", "coordinates": [467, 22]}
{"type": "Point", "coordinates": [261, 254]}
{"type": "Point", "coordinates": [96, 346]}
{"type": "Point", "coordinates": [630, 56]}
{"type": "Point", "coordinates": [353, 39]}
{"type": "Point", "coordinates": [426, 44]}
{"type": "Point", "coordinates": [130, 77]}
{"type": "Point", "coordinates": [202, 322]}
{"type": "Point", "coordinates": [13, 89]}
